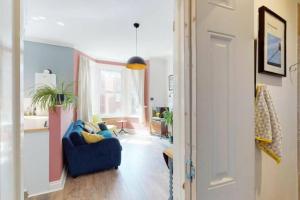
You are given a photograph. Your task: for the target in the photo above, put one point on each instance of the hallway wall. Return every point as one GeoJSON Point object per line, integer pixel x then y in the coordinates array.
{"type": "Point", "coordinates": [40, 56]}
{"type": "Point", "coordinates": [279, 182]}
{"type": "Point", "coordinates": [158, 81]}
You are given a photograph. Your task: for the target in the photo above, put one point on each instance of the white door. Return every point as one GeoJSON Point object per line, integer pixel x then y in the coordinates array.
{"type": "Point", "coordinates": [224, 82]}
{"type": "Point", "coordinates": [10, 117]}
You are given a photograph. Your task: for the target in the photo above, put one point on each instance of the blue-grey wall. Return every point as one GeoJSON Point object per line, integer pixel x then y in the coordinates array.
{"type": "Point", "coordinates": [39, 56]}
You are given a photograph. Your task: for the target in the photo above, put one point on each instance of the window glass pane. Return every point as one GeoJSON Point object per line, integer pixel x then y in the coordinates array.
{"type": "Point", "coordinates": [134, 90]}
{"type": "Point", "coordinates": [111, 87]}
{"type": "Point", "coordinates": [116, 91]}
{"type": "Point", "coordinates": [103, 104]}
{"type": "Point", "coordinates": [111, 81]}
{"type": "Point", "coordinates": [111, 104]}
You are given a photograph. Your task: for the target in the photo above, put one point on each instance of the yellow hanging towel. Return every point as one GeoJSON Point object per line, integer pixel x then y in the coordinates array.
{"type": "Point", "coordinates": [267, 127]}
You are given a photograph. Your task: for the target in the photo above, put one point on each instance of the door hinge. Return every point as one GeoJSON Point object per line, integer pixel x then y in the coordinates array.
{"type": "Point", "coordinates": [190, 170]}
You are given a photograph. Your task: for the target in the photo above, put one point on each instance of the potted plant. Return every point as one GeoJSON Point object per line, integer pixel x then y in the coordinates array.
{"type": "Point", "coordinates": [168, 116]}
{"type": "Point", "coordinates": [62, 93]}
{"type": "Point", "coordinates": [47, 97]}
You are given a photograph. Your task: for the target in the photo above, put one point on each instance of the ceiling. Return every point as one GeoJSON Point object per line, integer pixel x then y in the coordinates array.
{"type": "Point", "coordinates": [103, 28]}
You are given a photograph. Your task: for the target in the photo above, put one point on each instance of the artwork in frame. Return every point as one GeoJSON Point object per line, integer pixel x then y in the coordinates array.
{"type": "Point", "coordinates": [171, 82]}
{"type": "Point", "coordinates": [271, 43]}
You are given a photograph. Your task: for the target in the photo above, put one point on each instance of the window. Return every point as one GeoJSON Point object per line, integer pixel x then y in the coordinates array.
{"type": "Point", "coordinates": [111, 92]}
{"type": "Point", "coordinates": [116, 91]}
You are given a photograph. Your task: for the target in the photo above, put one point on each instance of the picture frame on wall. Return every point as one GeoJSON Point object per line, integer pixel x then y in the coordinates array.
{"type": "Point", "coordinates": [271, 43]}
{"type": "Point", "coordinates": [171, 82]}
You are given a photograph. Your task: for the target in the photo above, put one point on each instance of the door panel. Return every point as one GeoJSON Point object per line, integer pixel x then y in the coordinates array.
{"type": "Point", "coordinates": [224, 132]}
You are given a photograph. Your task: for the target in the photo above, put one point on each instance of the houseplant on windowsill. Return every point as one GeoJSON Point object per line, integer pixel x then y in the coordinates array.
{"type": "Point", "coordinates": [47, 97]}
{"type": "Point", "coordinates": [168, 116]}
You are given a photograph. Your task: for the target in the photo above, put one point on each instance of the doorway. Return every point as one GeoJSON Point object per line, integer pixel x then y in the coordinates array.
{"type": "Point", "coordinates": [38, 19]}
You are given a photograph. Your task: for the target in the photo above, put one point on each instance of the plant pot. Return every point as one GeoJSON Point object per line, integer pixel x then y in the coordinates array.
{"type": "Point", "coordinates": [60, 98]}
{"type": "Point", "coordinates": [171, 139]}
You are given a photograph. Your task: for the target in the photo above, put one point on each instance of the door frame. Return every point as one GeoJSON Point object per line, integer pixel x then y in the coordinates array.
{"type": "Point", "coordinates": [15, 46]}
{"type": "Point", "coordinates": [184, 119]}
{"type": "Point", "coordinates": [17, 56]}
{"type": "Point", "coordinates": [184, 71]}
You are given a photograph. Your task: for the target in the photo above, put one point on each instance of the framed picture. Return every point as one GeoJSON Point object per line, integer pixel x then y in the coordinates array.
{"type": "Point", "coordinates": [271, 43]}
{"type": "Point", "coordinates": [171, 82]}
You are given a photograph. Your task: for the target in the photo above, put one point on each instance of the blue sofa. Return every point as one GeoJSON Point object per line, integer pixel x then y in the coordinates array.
{"type": "Point", "coordinates": [82, 158]}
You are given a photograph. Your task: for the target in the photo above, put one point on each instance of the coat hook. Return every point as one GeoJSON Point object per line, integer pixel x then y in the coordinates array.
{"type": "Point", "coordinates": [293, 67]}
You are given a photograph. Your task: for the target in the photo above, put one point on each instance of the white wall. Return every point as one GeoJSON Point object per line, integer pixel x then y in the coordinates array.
{"type": "Point", "coordinates": [279, 182]}
{"type": "Point", "coordinates": [36, 162]}
{"type": "Point", "coordinates": [170, 71]}
{"type": "Point", "coordinates": [159, 70]}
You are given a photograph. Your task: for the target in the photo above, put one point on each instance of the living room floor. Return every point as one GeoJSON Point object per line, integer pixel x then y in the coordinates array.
{"type": "Point", "coordinates": [143, 174]}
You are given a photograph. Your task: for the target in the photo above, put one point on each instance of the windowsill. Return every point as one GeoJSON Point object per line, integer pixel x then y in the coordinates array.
{"type": "Point", "coordinates": [119, 116]}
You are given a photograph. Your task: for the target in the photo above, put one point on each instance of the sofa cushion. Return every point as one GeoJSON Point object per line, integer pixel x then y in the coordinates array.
{"type": "Point", "coordinates": [91, 138]}
{"type": "Point", "coordinates": [79, 123]}
{"type": "Point", "coordinates": [105, 134]}
{"type": "Point", "coordinates": [102, 126]}
{"type": "Point", "coordinates": [76, 137]}
{"type": "Point", "coordinates": [92, 128]}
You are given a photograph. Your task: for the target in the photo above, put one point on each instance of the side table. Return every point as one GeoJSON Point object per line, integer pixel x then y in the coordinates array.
{"type": "Point", "coordinates": [122, 130]}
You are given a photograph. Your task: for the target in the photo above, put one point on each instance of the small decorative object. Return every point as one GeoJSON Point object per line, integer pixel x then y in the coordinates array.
{"type": "Point", "coordinates": [47, 97]}
{"type": "Point", "coordinates": [168, 116]}
{"type": "Point", "coordinates": [271, 43]}
{"type": "Point", "coordinates": [157, 114]}
{"type": "Point", "coordinates": [171, 82]}
{"type": "Point", "coordinates": [47, 71]}
{"type": "Point", "coordinates": [136, 62]}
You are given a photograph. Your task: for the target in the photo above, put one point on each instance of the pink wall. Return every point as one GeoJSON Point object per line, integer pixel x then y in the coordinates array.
{"type": "Point", "coordinates": [59, 121]}
{"type": "Point", "coordinates": [132, 122]}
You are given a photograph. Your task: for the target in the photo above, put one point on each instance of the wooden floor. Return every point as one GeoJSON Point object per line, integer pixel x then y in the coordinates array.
{"type": "Point", "coordinates": [143, 175]}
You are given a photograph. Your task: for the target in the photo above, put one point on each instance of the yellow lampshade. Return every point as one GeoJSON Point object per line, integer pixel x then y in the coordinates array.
{"type": "Point", "coordinates": [136, 63]}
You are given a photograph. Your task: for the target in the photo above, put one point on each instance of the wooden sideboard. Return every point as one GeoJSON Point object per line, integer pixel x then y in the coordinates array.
{"type": "Point", "coordinates": [158, 127]}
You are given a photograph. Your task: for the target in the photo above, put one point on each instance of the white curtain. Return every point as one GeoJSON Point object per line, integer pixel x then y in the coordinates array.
{"type": "Point", "coordinates": [136, 79]}
{"type": "Point", "coordinates": [84, 90]}
{"type": "Point", "coordinates": [95, 87]}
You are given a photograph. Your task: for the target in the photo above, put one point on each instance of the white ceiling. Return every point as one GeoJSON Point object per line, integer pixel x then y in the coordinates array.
{"type": "Point", "coordinates": [103, 28]}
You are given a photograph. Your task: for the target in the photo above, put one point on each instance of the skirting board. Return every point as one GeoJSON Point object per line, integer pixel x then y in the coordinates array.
{"type": "Point", "coordinates": [55, 185]}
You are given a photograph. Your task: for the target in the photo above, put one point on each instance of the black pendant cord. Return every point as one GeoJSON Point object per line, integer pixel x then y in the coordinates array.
{"type": "Point", "coordinates": [136, 38]}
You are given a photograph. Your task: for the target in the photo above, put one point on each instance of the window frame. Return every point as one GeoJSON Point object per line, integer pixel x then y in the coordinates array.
{"type": "Point", "coordinates": [106, 67]}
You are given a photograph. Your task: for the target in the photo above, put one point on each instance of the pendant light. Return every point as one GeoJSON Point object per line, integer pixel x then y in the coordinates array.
{"type": "Point", "coordinates": [136, 62]}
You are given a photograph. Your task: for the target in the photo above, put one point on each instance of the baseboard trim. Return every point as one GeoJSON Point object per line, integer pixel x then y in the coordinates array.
{"type": "Point", "coordinates": [59, 184]}
{"type": "Point", "coordinates": [54, 186]}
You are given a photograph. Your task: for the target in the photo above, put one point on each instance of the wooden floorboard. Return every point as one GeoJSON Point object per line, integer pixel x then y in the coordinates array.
{"type": "Point", "coordinates": [143, 175]}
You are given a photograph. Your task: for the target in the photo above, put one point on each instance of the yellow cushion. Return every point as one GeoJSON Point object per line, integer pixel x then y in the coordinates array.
{"type": "Point", "coordinates": [96, 119]}
{"type": "Point", "coordinates": [91, 138]}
